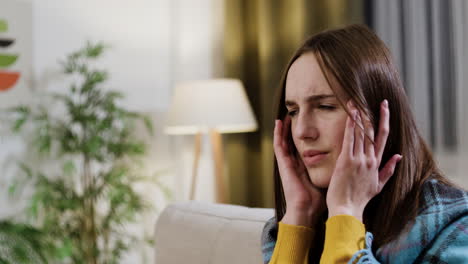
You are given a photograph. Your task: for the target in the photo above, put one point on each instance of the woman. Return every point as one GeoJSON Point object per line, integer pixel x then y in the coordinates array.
{"type": "Point", "coordinates": [350, 160]}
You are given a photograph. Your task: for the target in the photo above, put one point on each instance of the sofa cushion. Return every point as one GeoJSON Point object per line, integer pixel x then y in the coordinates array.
{"type": "Point", "coordinates": [200, 232]}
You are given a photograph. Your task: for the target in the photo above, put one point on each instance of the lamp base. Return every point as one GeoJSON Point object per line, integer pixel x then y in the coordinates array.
{"type": "Point", "coordinates": [218, 156]}
{"type": "Point", "coordinates": [218, 170]}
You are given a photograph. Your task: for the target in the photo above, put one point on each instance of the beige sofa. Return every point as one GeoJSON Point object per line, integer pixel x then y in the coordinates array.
{"type": "Point", "coordinates": [205, 233]}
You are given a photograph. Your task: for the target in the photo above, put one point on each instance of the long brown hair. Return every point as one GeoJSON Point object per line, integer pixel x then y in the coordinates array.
{"type": "Point", "coordinates": [359, 62]}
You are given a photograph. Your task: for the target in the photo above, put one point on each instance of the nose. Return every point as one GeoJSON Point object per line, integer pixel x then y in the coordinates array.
{"type": "Point", "coordinates": [305, 127]}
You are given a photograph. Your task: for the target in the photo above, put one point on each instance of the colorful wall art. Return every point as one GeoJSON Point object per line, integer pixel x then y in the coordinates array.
{"type": "Point", "coordinates": [7, 78]}
{"type": "Point", "coordinates": [15, 52]}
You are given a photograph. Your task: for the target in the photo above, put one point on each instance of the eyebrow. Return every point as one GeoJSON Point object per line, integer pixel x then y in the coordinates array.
{"type": "Point", "coordinates": [311, 98]}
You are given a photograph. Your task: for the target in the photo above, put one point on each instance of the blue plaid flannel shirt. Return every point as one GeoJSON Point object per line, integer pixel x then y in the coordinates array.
{"type": "Point", "coordinates": [439, 234]}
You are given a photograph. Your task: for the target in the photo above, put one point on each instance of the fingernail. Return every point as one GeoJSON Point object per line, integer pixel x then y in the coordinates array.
{"type": "Point", "coordinates": [355, 114]}
{"type": "Point", "coordinates": [385, 103]}
{"type": "Point", "coordinates": [400, 157]}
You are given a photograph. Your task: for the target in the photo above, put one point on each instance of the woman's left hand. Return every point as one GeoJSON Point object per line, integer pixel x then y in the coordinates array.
{"type": "Point", "coordinates": [356, 178]}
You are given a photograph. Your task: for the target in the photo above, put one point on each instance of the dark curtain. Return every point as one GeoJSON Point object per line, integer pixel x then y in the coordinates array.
{"type": "Point", "coordinates": [260, 37]}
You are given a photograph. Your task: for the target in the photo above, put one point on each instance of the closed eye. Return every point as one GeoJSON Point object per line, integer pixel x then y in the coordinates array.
{"type": "Point", "coordinates": [327, 107]}
{"type": "Point", "coordinates": [292, 112]}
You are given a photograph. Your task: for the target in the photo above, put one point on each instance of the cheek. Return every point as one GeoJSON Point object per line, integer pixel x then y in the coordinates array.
{"type": "Point", "coordinates": [338, 134]}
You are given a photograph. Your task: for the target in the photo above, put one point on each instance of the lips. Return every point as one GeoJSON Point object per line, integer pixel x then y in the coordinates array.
{"type": "Point", "coordinates": [313, 157]}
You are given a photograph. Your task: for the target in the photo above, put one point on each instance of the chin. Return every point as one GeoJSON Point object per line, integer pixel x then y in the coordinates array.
{"type": "Point", "coordinates": [319, 177]}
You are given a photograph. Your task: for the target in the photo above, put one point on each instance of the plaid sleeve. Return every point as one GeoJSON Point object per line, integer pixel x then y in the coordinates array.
{"type": "Point", "coordinates": [450, 246]}
{"type": "Point", "coordinates": [269, 237]}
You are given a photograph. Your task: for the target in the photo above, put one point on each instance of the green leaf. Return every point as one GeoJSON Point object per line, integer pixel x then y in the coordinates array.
{"type": "Point", "coordinates": [148, 124]}
{"type": "Point", "coordinates": [114, 95]}
{"type": "Point", "coordinates": [19, 124]}
{"type": "Point", "coordinates": [69, 167]}
{"type": "Point", "coordinates": [20, 253]}
{"type": "Point", "coordinates": [19, 109]}
{"type": "Point", "coordinates": [12, 188]}
{"type": "Point", "coordinates": [23, 113]}
{"type": "Point", "coordinates": [65, 250]}
{"type": "Point", "coordinates": [26, 169]}
{"type": "Point", "coordinates": [44, 142]}
{"type": "Point", "coordinates": [83, 69]}
{"type": "Point", "coordinates": [34, 205]}
{"type": "Point", "coordinates": [3, 25]}
{"type": "Point", "coordinates": [93, 145]}
{"type": "Point", "coordinates": [98, 77]}
{"type": "Point", "coordinates": [94, 50]}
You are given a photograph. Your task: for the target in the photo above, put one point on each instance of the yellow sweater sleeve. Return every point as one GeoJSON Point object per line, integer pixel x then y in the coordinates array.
{"type": "Point", "coordinates": [344, 236]}
{"type": "Point", "coordinates": [292, 245]}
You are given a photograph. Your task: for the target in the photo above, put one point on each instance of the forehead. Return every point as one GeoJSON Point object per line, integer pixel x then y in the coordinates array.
{"type": "Point", "coordinates": [305, 78]}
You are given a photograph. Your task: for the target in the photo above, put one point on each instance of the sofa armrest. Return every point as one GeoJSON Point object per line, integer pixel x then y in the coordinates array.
{"type": "Point", "coordinates": [199, 232]}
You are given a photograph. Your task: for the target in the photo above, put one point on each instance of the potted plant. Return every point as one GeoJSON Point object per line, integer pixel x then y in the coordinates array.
{"type": "Point", "coordinates": [83, 207]}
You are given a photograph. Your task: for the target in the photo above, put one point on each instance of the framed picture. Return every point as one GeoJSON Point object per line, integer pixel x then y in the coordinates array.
{"type": "Point", "coordinates": [15, 52]}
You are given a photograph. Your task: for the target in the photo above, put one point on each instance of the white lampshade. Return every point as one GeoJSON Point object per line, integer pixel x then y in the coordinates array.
{"type": "Point", "coordinates": [219, 104]}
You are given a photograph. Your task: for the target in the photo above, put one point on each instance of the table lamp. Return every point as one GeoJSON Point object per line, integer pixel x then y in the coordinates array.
{"type": "Point", "coordinates": [213, 107]}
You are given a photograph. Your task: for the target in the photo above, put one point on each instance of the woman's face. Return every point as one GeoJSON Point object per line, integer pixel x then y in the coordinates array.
{"type": "Point", "coordinates": [317, 119]}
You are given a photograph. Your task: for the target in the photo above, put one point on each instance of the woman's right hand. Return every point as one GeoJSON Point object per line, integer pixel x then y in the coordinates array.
{"type": "Point", "coordinates": [305, 203]}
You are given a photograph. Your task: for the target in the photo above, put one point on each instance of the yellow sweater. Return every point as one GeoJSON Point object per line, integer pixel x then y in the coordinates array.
{"type": "Point", "coordinates": [344, 236]}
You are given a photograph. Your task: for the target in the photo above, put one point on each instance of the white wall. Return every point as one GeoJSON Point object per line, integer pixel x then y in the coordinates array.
{"type": "Point", "coordinates": [154, 44]}
{"type": "Point", "coordinates": [139, 32]}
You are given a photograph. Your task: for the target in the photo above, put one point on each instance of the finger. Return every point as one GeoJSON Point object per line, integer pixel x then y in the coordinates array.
{"type": "Point", "coordinates": [358, 136]}
{"type": "Point", "coordinates": [384, 128]}
{"type": "Point", "coordinates": [368, 137]}
{"type": "Point", "coordinates": [348, 138]}
{"type": "Point", "coordinates": [388, 170]}
{"type": "Point", "coordinates": [277, 138]}
{"type": "Point", "coordinates": [278, 147]}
